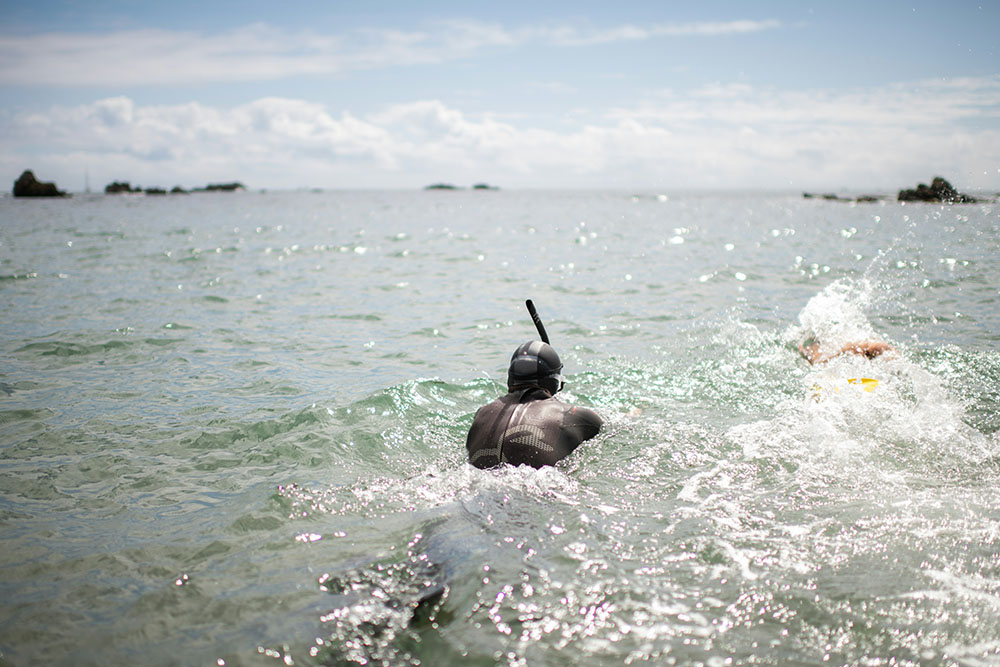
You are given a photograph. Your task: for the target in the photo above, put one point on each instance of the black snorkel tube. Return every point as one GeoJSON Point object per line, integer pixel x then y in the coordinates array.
{"type": "Point", "coordinates": [557, 375]}
{"type": "Point", "coordinates": [537, 320]}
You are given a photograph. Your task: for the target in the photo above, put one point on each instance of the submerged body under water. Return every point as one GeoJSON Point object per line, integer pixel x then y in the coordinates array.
{"type": "Point", "coordinates": [232, 431]}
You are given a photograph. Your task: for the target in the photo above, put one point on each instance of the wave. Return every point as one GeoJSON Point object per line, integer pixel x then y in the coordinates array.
{"type": "Point", "coordinates": [61, 348]}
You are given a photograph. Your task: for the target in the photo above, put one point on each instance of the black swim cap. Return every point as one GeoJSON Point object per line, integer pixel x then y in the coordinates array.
{"type": "Point", "coordinates": [535, 363]}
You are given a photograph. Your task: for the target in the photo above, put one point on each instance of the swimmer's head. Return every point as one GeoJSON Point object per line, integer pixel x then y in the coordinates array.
{"type": "Point", "coordinates": [535, 363]}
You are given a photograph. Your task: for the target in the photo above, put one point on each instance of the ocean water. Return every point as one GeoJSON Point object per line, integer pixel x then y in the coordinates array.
{"type": "Point", "coordinates": [232, 431]}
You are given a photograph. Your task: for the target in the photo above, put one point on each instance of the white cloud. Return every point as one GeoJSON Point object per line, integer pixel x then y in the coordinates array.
{"type": "Point", "coordinates": [933, 105]}
{"type": "Point", "coordinates": [722, 136]}
{"type": "Point", "coordinates": [571, 36]}
{"type": "Point", "coordinates": [158, 57]}
{"type": "Point", "coordinates": [260, 52]}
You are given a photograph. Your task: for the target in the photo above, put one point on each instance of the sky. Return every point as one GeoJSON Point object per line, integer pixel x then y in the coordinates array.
{"type": "Point", "coordinates": [662, 96]}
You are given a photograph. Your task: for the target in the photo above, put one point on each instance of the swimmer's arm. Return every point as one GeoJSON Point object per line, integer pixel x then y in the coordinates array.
{"type": "Point", "coordinates": [868, 348]}
{"type": "Point", "coordinates": [865, 348]}
{"type": "Point", "coordinates": [583, 423]}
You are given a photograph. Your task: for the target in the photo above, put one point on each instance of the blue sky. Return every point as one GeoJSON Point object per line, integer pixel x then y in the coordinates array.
{"type": "Point", "coordinates": [636, 95]}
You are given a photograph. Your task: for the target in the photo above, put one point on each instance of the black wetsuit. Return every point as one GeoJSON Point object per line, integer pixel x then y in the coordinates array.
{"type": "Point", "coordinates": [528, 426]}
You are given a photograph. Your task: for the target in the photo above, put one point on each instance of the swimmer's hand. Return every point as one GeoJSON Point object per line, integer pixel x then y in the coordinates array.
{"type": "Point", "coordinates": [868, 348]}
{"type": "Point", "coordinates": [865, 348]}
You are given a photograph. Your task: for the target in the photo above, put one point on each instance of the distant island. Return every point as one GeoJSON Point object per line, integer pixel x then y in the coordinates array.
{"type": "Point", "coordinates": [449, 186]}
{"type": "Point", "coordinates": [28, 186]}
{"type": "Point", "coordinates": [829, 196]}
{"type": "Point", "coordinates": [124, 187]}
{"type": "Point", "coordinates": [939, 191]}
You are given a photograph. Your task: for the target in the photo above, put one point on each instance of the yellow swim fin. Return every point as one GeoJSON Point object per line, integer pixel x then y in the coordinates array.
{"type": "Point", "coordinates": [868, 384]}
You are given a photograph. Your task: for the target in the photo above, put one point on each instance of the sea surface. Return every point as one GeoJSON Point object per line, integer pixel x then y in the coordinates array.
{"type": "Point", "coordinates": [232, 430]}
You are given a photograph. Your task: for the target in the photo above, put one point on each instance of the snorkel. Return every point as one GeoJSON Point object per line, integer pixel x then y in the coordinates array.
{"type": "Point", "coordinates": [535, 362]}
{"type": "Point", "coordinates": [537, 320]}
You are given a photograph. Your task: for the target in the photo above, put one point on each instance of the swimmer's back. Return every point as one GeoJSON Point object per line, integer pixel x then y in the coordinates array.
{"type": "Point", "coordinates": [528, 427]}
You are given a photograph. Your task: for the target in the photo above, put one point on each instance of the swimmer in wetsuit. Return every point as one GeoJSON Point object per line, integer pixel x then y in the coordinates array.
{"type": "Point", "coordinates": [527, 425]}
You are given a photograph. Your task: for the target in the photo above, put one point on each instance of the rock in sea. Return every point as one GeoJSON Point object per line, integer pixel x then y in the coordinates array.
{"type": "Point", "coordinates": [940, 190]}
{"type": "Point", "coordinates": [29, 186]}
{"type": "Point", "coordinates": [117, 188]}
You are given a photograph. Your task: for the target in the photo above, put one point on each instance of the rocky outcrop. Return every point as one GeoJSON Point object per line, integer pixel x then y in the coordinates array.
{"type": "Point", "coordinates": [450, 186]}
{"type": "Point", "coordinates": [29, 186]}
{"type": "Point", "coordinates": [829, 196]}
{"type": "Point", "coordinates": [117, 188]}
{"type": "Point", "coordinates": [939, 190]}
{"type": "Point", "coordinates": [124, 187]}
{"type": "Point", "coordinates": [222, 187]}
